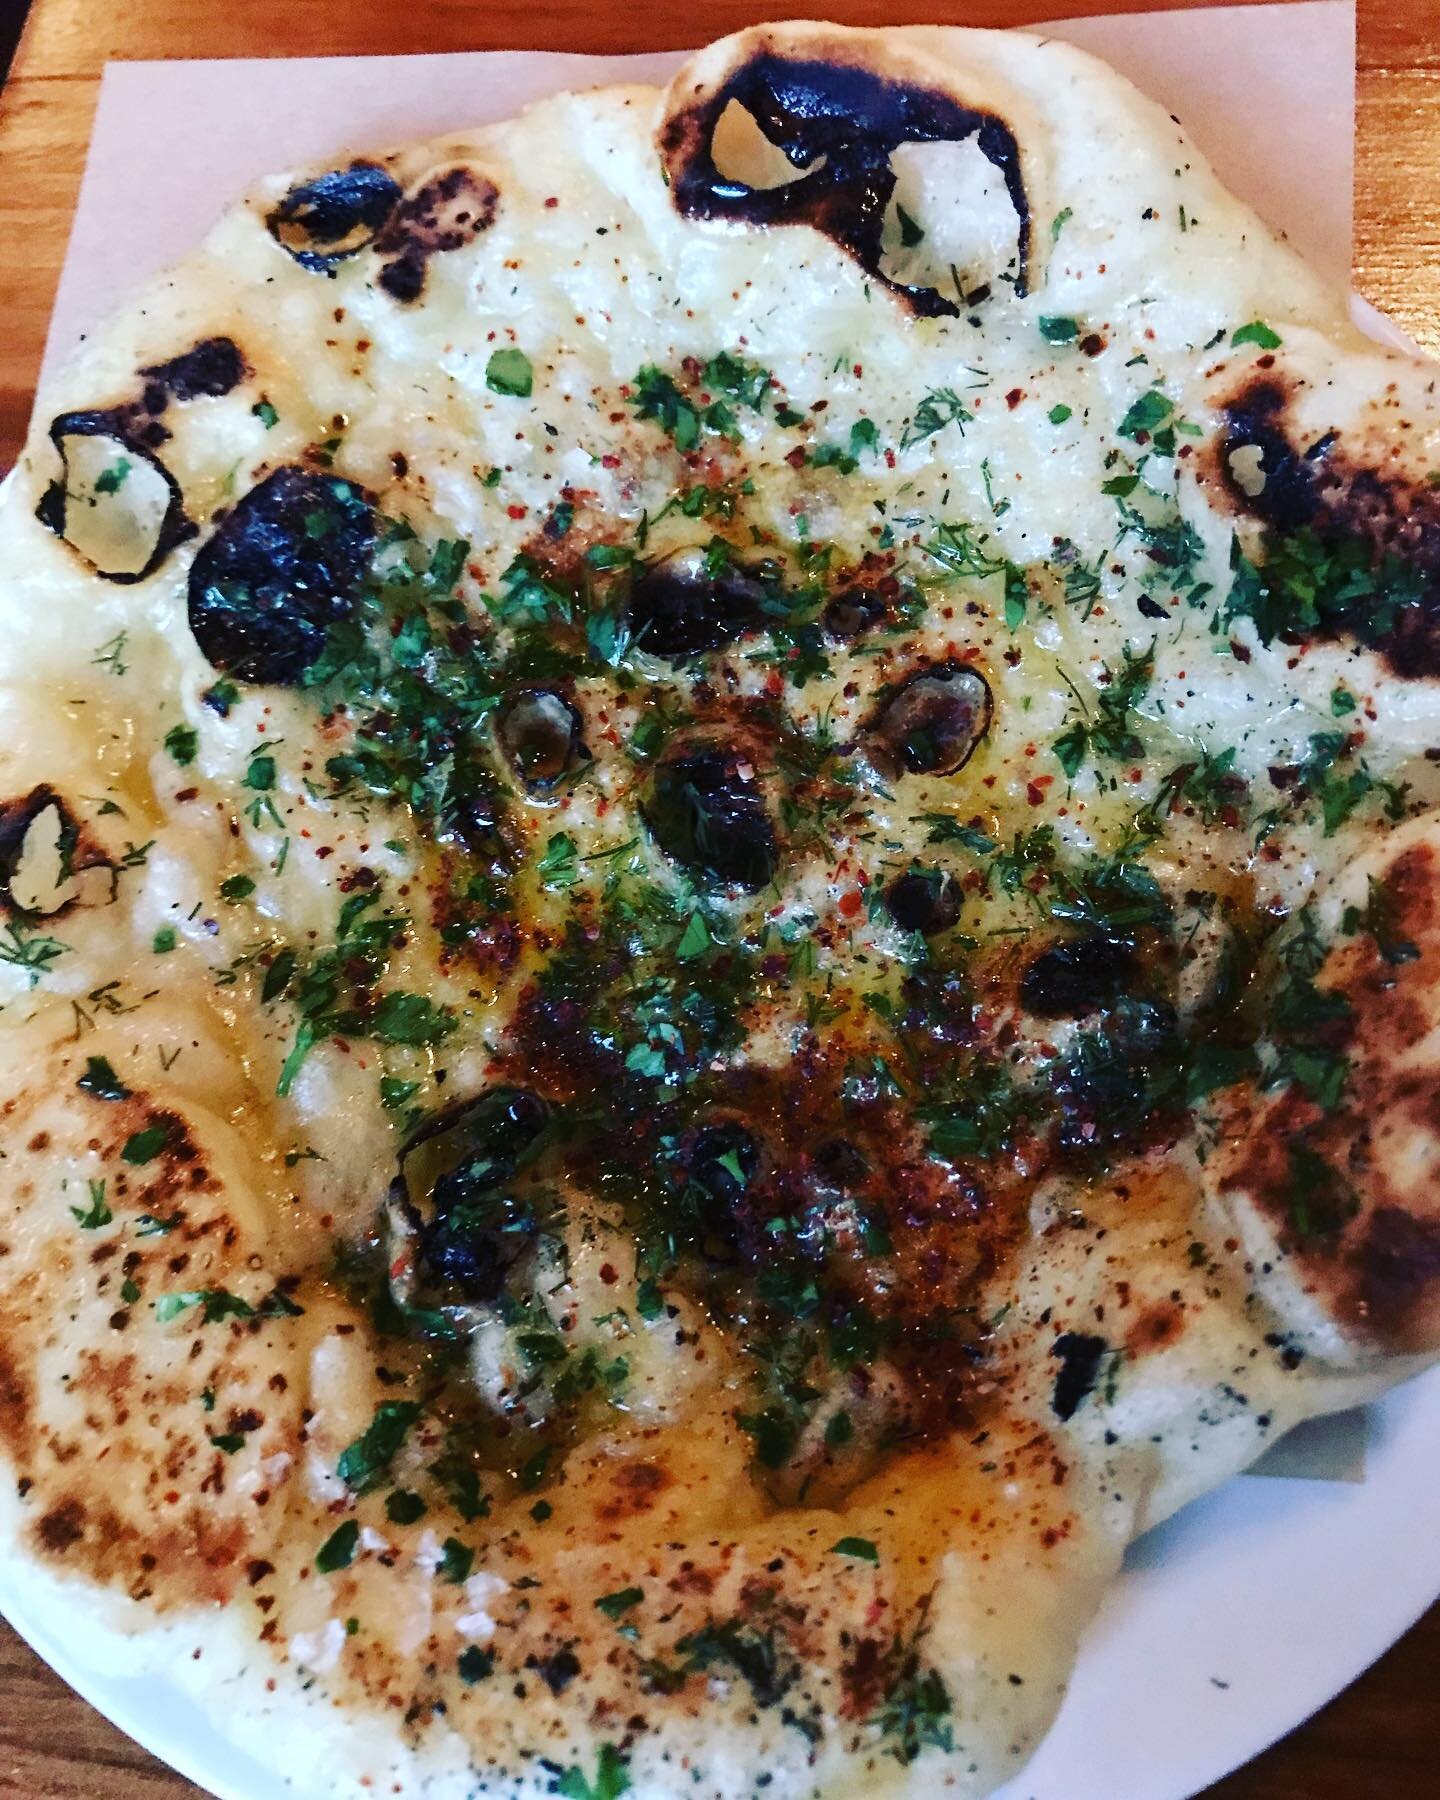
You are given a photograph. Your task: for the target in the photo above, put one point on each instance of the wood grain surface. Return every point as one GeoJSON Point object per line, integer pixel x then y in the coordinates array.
{"type": "Point", "coordinates": [1381, 1739]}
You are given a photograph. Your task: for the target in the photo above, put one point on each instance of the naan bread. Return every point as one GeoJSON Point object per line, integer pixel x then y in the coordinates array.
{"type": "Point", "coordinates": [720, 945]}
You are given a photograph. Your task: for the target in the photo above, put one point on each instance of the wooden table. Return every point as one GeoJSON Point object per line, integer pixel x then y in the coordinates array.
{"type": "Point", "coordinates": [1382, 1738]}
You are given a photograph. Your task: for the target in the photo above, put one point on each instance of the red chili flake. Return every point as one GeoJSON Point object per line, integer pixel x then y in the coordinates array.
{"type": "Point", "coordinates": [610, 460]}
{"type": "Point", "coordinates": [552, 200]}
{"type": "Point", "coordinates": [850, 903]}
{"type": "Point", "coordinates": [516, 511]}
{"type": "Point", "coordinates": [1035, 790]}
{"type": "Point", "coordinates": [1014, 397]}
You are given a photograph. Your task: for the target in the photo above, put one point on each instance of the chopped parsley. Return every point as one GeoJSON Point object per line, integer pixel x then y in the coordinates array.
{"type": "Point", "coordinates": [1307, 584]}
{"type": "Point", "coordinates": [338, 1550]}
{"type": "Point", "coordinates": [101, 1081]}
{"type": "Point", "coordinates": [364, 1463]}
{"type": "Point", "coordinates": [33, 953]}
{"type": "Point", "coordinates": [939, 408]}
{"type": "Point", "coordinates": [509, 372]}
{"type": "Point", "coordinates": [1256, 332]}
{"type": "Point", "coordinates": [334, 990]}
{"type": "Point", "coordinates": [182, 741]}
{"type": "Point", "coordinates": [475, 1664]}
{"type": "Point", "coordinates": [683, 417]}
{"type": "Point", "coordinates": [860, 1548]}
{"type": "Point", "coordinates": [958, 550]}
{"type": "Point", "coordinates": [456, 1561]}
{"type": "Point", "coordinates": [97, 1213]}
{"type": "Point", "coordinates": [917, 1711]}
{"type": "Point", "coordinates": [1109, 733]}
{"type": "Point", "coordinates": [217, 1305]}
{"type": "Point", "coordinates": [616, 1605]}
{"type": "Point", "coordinates": [144, 1146]}
{"type": "Point", "coordinates": [111, 480]}
{"type": "Point", "coordinates": [612, 1778]}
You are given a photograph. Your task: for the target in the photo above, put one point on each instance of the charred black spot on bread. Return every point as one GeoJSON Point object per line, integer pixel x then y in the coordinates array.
{"type": "Point", "coordinates": [1399, 1267]}
{"type": "Point", "coordinates": [540, 735]}
{"type": "Point", "coordinates": [1080, 1356]}
{"type": "Point", "coordinates": [473, 816]}
{"type": "Point", "coordinates": [683, 605]}
{"type": "Point", "coordinates": [279, 571]}
{"type": "Point", "coordinates": [557, 1670]}
{"type": "Point", "coordinates": [16, 818]}
{"type": "Point", "coordinates": [926, 901]}
{"type": "Point", "coordinates": [451, 1185]}
{"type": "Point", "coordinates": [1109, 1088]}
{"type": "Point", "coordinates": [707, 811]}
{"type": "Point", "coordinates": [1323, 492]}
{"type": "Point", "coordinates": [130, 434]}
{"type": "Point", "coordinates": [209, 369]}
{"type": "Point", "coordinates": [333, 216]}
{"type": "Point", "coordinates": [837, 1166]}
{"type": "Point", "coordinates": [42, 863]}
{"type": "Point", "coordinates": [1283, 477]}
{"type": "Point", "coordinates": [838, 124]}
{"type": "Point", "coordinates": [720, 1164]}
{"type": "Point", "coordinates": [447, 212]}
{"type": "Point", "coordinates": [853, 611]}
{"type": "Point", "coordinates": [932, 723]}
{"type": "Point", "coordinates": [1077, 976]}
{"type": "Point", "coordinates": [15, 1410]}
{"type": "Point", "coordinates": [62, 1527]}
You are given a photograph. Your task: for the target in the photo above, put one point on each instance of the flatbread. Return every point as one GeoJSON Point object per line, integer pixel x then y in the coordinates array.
{"type": "Point", "coordinates": [720, 950]}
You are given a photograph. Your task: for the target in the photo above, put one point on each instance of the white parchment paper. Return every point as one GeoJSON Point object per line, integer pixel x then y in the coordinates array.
{"type": "Point", "coordinates": [1268, 93]}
